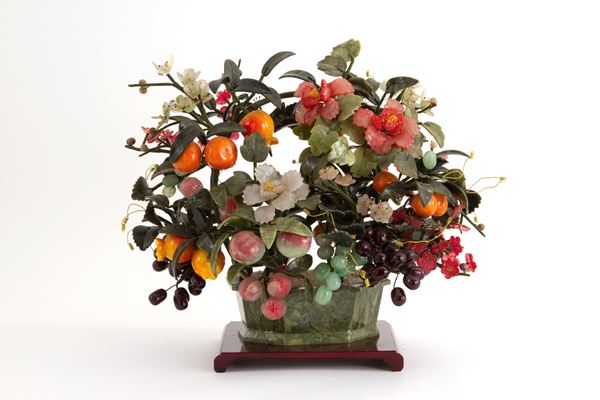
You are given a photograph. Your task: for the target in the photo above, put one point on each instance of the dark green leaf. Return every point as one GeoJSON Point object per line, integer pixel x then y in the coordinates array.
{"type": "Point", "coordinates": [235, 221]}
{"type": "Point", "coordinates": [140, 190]}
{"type": "Point", "coordinates": [332, 65]}
{"type": "Point", "coordinates": [180, 250]}
{"type": "Point", "coordinates": [310, 203]}
{"type": "Point", "coordinates": [299, 74]}
{"type": "Point", "coordinates": [233, 272]}
{"type": "Point", "coordinates": [268, 234]}
{"type": "Point", "coordinates": [292, 225]}
{"type": "Point", "coordinates": [165, 168]}
{"type": "Point", "coordinates": [383, 160]}
{"type": "Point", "coordinates": [185, 231]}
{"type": "Point", "coordinates": [274, 60]}
{"type": "Point", "coordinates": [439, 187]}
{"type": "Point", "coordinates": [397, 190]}
{"type": "Point", "coordinates": [348, 50]}
{"type": "Point", "coordinates": [348, 104]}
{"type": "Point", "coordinates": [398, 83]}
{"type": "Point", "coordinates": [302, 131]}
{"type": "Point", "coordinates": [159, 200]}
{"type": "Point", "coordinates": [425, 192]}
{"type": "Point", "coordinates": [308, 290]}
{"type": "Point", "coordinates": [364, 89]}
{"type": "Point", "coordinates": [196, 220]}
{"type": "Point", "coordinates": [204, 242]}
{"type": "Point", "coordinates": [254, 86]}
{"type": "Point", "coordinates": [184, 121]}
{"type": "Point", "coordinates": [202, 199]}
{"type": "Point", "coordinates": [231, 72]}
{"type": "Point", "coordinates": [298, 266]}
{"type": "Point", "coordinates": [312, 164]}
{"type": "Point", "coordinates": [355, 229]}
{"type": "Point", "coordinates": [143, 236]}
{"type": "Point", "coordinates": [406, 164]}
{"type": "Point", "coordinates": [362, 166]}
{"type": "Point", "coordinates": [341, 238]}
{"type": "Point", "coordinates": [150, 215]}
{"type": "Point", "coordinates": [214, 253]}
{"type": "Point", "coordinates": [214, 85]}
{"type": "Point", "coordinates": [254, 148]}
{"type": "Point", "coordinates": [225, 127]}
{"type": "Point", "coordinates": [436, 131]}
{"type": "Point", "coordinates": [453, 153]}
{"type": "Point", "coordinates": [474, 199]}
{"type": "Point", "coordinates": [219, 195]}
{"type": "Point", "coordinates": [187, 135]}
{"type": "Point", "coordinates": [245, 212]}
{"type": "Point", "coordinates": [236, 184]}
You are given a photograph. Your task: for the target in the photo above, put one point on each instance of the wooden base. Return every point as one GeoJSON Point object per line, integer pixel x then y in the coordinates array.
{"type": "Point", "coordinates": [381, 348]}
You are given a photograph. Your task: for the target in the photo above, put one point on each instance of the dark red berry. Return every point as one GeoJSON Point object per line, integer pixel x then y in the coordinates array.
{"type": "Point", "coordinates": [398, 259]}
{"type": "Point", "coordinates": [363, 248]}
{"type": "Point", "coordinates": [196, 285]}
{"type": "Point", "coordinates": [416, 273]}
{"type": "Point", "coordinates": [380, 236]}
{"type": "Point", "coordinates": [160, 265]}
{"type": "Point", "coordinates": [130, 141]}
{"type": "Point", "coordinates": [379, 273]}
{"type": "Point", "coordinates": [157, 297]}
{"type": "Point", "coordinates": [379, 258]}
{"type": "Point", "coordinates": [369, 231]}
{"type": "Point", "coordinates": [398, 296]}
{"type": "Point", "coordinates": [181, 297]}
{"type": "Point", "coordinates": [411, 282]}
{"type": "Point", "coordinates": [412, 255]}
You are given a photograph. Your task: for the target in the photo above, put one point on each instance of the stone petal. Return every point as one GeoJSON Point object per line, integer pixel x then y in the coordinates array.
{"type": "Point", "coordinates": [340, 87]}
{"type": "Point", "coordinates": [285, 201]}
{"type": "Point", "coordinates": [251, 195]}
{"type": "Point", "coordinates": [264, 214]}
{"type": "Point", "coordinates": [292, 180]}
{"type": "Point", "coordinates": [330, 110]}
{"type": "Point", "coordinates": [266, 172]}
{"type": "Point", "coordinates": [379, 142]}
{"type": "Point", "coordinates": [362, 117]}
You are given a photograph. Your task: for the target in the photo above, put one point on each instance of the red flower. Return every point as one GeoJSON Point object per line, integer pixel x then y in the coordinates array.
{"type": "Point", "coordinates": [390, 128]}
{"type": "Point", "coordinates": [161, 136]}
{"type": "Point", "coordinates": [460, 227]}
{"type": "Point", "coordinates": [450, 265]}
{"type": "Point", "coordinates": [314, 102]}
{"type": "Point", "coordinates": [427, 261]}
{"type": "Point", "coordinates": [418, 247]}
{"type": "Point", "coordinates": [454, 245]}
{"type": "Point", "coordinates": [439, 247]}
{"type": "Point", "coordinates": [469, 265]}
{"type": "Point", "coordinates": [223, 97]}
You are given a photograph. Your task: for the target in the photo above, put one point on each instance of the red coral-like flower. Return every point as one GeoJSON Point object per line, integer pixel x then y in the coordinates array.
{"type": "Point", "coordinates": [418, 247]}
{"type": "Point", "coordinates": [454, 245]}
{"type": "Point", "coordinates": [223, 97]}
{"type": "Point", "coordinates": [315, 102]}
{"type": "Point", "coordinates": [439, 247]}
{"type": "Point", "coordinates": [427, 262]}
{"type": "Point", "coordinates": [390, 128]}
{"type": "Point", "coordinates": [161, 136]}
{"type": "Point", "coordinates": [469, 265]}
{"type": "Point", "coordinates": [450, 265]}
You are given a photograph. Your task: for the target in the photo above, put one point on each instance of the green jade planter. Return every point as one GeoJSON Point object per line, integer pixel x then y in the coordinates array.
{"type": "Point", "coordinates": [351, 316]}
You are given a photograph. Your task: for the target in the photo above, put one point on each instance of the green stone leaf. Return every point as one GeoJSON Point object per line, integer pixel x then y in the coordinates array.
{"type": "Point", "coordinates": [439, 187]}
{"type": "Point", "coordinates": [411, 112]}
{"type": "Point", "coordinates": [274, 60]}
{"type": "Point", "coordinates": [416, 149]}
{"type": "Point", "coordinates": [340, 153]}
{"type": "Point", "coordinates": [187, 135]}
{"type": "Point", "coordinates": [362, 165]}
{"type": "Point", "coordinates": [321, 139]}
{"type": "Point", "coordinates": [436, 131]}
{"type": "Point", "coordinates": [332, 65]}
{"type": "Point", "coordinates": [292, 225]}
{"type": "Point", "coordinates": [348, 50]}
{"type": "Point", "coordinates": [406, 164]}
{"type": "Point", "coordinates": [159, 199]}
{"type": "Point", "coordinates": [235, 221]}
{"type": "Point", "coordinates": [180, 250]}
{"type": "Point", "coordinates": [268, 234]}
{"type": "Point", "coordinates": [341, 238]}
{"type": "Point", "coordinates": [302, 131]}
{"type": "Point", "coordinates": [143, 236]}
{"type": "Point", "coordinates": [310, 203]}
{"type": "Point", "coordinates": [254, 148]}
{"type": "Point", "coordinates": [185, 231]}
{"type": "Point", "coordinates": [150, 215]}
{"type": "Point", "coordinates": [140, 189]}
{"type": "Point", "coordinates": [214, 253]}
{"type": "Point", "coordinates": [231, 72]}
{"type": "Point", "coordinates": [254, 86]}
{"type": "Point", "coordinates": [236, 184]}
{"type": "Point", "coordinates": [312, 164]}
{"type": "Point", "coordinates": [355, 133]}
{"type": "Point", "coordinates": [308, 290]}
{"type": "Point", "coordinates": [398, 83]}
{"type": "Point", "coordinates": [204, 242]}
{"type": "Point", "coordinates": [364, 89]}
{"type": "Point", "coordinates": [299, 74]}
{"type": "Point", "coordinates": [453, 153]}
{"type": "Point", "coordinates": [225, 127]}
{"type": "Point", "coordinates": [233, 272]}
{"type": "Point", "coordinates": [245, 212]}
{"type": "Point", "coordinates": [164, 168]}
{"type": "Point", "coordinates": [219, 195]}
{"type": "Point", "coordinates": [383, 160]}
{"type": "Point", "coordinates": [298, 266]}
{"type": "Point", "coordinates": [425, 192]}
{"type": "Point", "coordinates": [397, 190]}
{"type": "Point", "coordinates": [348, 104]}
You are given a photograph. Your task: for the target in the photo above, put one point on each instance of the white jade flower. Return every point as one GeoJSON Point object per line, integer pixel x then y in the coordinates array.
{"type": "Point", "coordinates": [328, 173]}
{"type": "Point", "coordinates": [188, 76]}
{"type": "Point", "coordinates": [166, 113]}
{"type": "Point", "coordinates": [198, 90]}
{"type": "Point", "coordinates": [279, 192]}
{"type": "Point", "coordinates": [381, 212]}
{"type": "Point", "coordinates": [363, 203]}
{"type": "Point", "coordinates": [344, 180]}
{"type": "Point", "coordinates": [164, 69]}
{"type": "Point", "coordinates": [183, 103]}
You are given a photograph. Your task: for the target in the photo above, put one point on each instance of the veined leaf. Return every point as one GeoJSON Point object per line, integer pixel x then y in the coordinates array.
{"type": "Point", "coordinates": [436, 131]}
{"type": "Point", "coordinates": [254, 148]}
{"type": "Point", "coordinates": [274, 60]}
{"type": "Point", "coordinates": [292, 225]}
{"type": "Point", "coordinates": [187, 135]}
{"type": "Point", "coordinates": [406, 164]}
{"type": "Point", "coordinates": [425, 192]}
{"type": "Point", "coordinates": [143, 236]}
{"type": "Point", "coordinates": [225, 127]}
{"type": "Point", "coordinates": [268, 234]}
{"type": "Point", "coordinates": [348, 104]}
{"type": "Point", "coordinates": [300, 74]}
{"type": "Point", "coordinates": [214, 253]}
{"type": "Point", "coordinates": [321, 139]}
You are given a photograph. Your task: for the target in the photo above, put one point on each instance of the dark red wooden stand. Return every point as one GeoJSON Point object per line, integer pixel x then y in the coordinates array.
{"type": "Point", "coordinates": [382, 348]}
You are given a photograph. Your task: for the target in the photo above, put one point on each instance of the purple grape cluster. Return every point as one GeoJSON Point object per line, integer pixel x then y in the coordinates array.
{"type": "Point", "coordinates": [182, 272]}
{"type": "Point", "coordinates": [385, 257]}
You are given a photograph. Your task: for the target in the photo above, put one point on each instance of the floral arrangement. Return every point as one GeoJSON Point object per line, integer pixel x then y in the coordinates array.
{"type": "Point", "coordinates": [373, 189]}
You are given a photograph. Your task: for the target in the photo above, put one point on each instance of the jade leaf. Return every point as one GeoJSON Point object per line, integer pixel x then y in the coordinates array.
{"type": "Point", "coordinates": [321, 139]}
{"type": "Point", "coordinates": [274, 60]}
{"type": "Point", "coordinates": [348, 104]}
{"type": "Point", "coordinates": [425, 192]}
{"type": "Point", "coordinates": [268, 234]}
{"type": "Point", "coordinates": [292, 225]}
{"type": "Point", "coordinates": [254, 148]}
{"type": "Point", "coordinates": [143, 236]}
{"type": "Point", "coordinates": [214, 252]}
{"type": "Point", "coordinates": [348, 50]}
{"type": "Point", "coordinates": [406, 164]}
{"type": "Point", "coordinates": [436, 131]}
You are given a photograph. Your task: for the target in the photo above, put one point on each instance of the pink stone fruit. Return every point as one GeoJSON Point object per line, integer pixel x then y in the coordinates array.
{"type": "Point", "coordinates": [273, 308]}
{"type": "Point", "coordinates": [279, 285]}
{"type": "Point", "coordinates": [251, 288]}
{"type": "Point", "coordinates": [246, 247]}
{"type": "Point", "coordinates": [292, 245]}
{"type": "Point", "coordinates": [190, 186]}
{"type": "Point", "coordinates": [229, 207]}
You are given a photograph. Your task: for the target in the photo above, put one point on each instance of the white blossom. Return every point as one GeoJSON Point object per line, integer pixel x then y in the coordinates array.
{"type": "Point", "coordinates": [344, 180]}
{"type": "Point", "coordinates": [164, 69]}
{"type": "Point", "coordinates": [188, 76]}
{"type": "Point", "coordinates": [198, 90]}
{"type": "Point", "coordinates": [381, 212]}
{"type": "Point", "coordinates": [166, 113]}
{"type": "Point", "coordinates": [363, 203]}
{"type": "Point", "coordinates": [183, 103]}
{"type": "Point", "coordinates": [328, 173]}
{"type": "Point", "coordinates": [279, 192]}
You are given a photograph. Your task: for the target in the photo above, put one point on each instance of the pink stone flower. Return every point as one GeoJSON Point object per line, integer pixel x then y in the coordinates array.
{"type": "Point", "coordinates": [320, 102]}
{"type": "Point", "coordinates": [450, 265]}
{"type": "Point", "coordinates": [390, 128]}
{"type": "Point", "coordinates": [162, 135]}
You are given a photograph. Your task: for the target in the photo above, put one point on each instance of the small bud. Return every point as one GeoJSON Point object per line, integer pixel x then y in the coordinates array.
{"type": "Point", "coordinates": [471, 154]}
{"type": "Point", "coordinates": [433, 102]}
{"type": "Point", "coordinates": [502, 178]}
{"type": "Point", "coordinates": [143, 89]}
{"type": "Point", "coordinates": [144, 148]}
{"type": "Point", "coordinates": [130, 141]}
{"type": "Point", "coordinates": [481, 227]}
{"type": "Point", "coordinates": [433, 144]}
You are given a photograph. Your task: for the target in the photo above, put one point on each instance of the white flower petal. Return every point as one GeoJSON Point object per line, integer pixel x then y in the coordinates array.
{"type": "Point", "coordinates": [266, 172]}
{"type": "Point", "coordinates": [285, 201]}
{"type": "Point", "coordinates": [381, 212]}
{"type": "Point", "coordinates": [251, 195]}
{"type": "Point", "coordinates": [345, 180]}
{"type": "Point", "coordinates": [165, 68]}
{"type": "Point", "coordinates": [362, 204]}
{"type": "Point", "coordinates": [301, 193]}
{"type": "Point", "coordinates": [269, 190]}
{"type": "Point", "coordinates": [328, 173]}
{"type": "Point", "coordinates": [292, 180]}
{"type": "Point", "coordinates": [264, 214]}
{"type": "Point", "coordinates": [188, 76]}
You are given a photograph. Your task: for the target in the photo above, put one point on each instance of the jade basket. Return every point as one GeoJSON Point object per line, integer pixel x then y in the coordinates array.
{"type": "Point", "coordinates": [351, 316]}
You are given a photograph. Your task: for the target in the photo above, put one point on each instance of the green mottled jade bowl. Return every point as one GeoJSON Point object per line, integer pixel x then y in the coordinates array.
{"type": "Point", "coordinates": [351, 316]}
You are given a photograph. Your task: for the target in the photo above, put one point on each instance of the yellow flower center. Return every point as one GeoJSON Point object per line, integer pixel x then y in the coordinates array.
{"type": "Point", "coordinates": [392, 119]}
{"type": "Point", "coordinates": [269, 187]}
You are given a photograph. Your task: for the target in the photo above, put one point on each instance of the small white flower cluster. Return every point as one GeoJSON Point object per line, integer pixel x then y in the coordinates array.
{"type": "Point", "coordinates": [380, 212]}
{"type": "Point", "coordinates": [331, 173]}
{"type": "Point", "coordinates": [280, 192]}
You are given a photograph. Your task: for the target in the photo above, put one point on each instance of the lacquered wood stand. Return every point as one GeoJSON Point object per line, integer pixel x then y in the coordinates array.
{"type": "Point", "coordinates": [382, 348]}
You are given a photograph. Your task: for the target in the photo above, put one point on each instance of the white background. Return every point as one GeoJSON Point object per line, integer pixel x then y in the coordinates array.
{"type": "Point", "coordinates": [517, 82]}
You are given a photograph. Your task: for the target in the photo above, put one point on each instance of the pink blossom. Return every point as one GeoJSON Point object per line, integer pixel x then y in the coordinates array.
{"type": "Point", "coordinates": [427, 261]}
{"type": "Point", "coordinates": [223, 97]}
{"type": "Point", "coordinates": [454, 245]}
{"type": "Point", "coordinates": [161, 136]}
{"type": "Point", "coordinates": [390, 128]}
{"type": "Point", "coordinates": [320, 102]}
{"type": "Point", "coordinates": [469, 265]}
